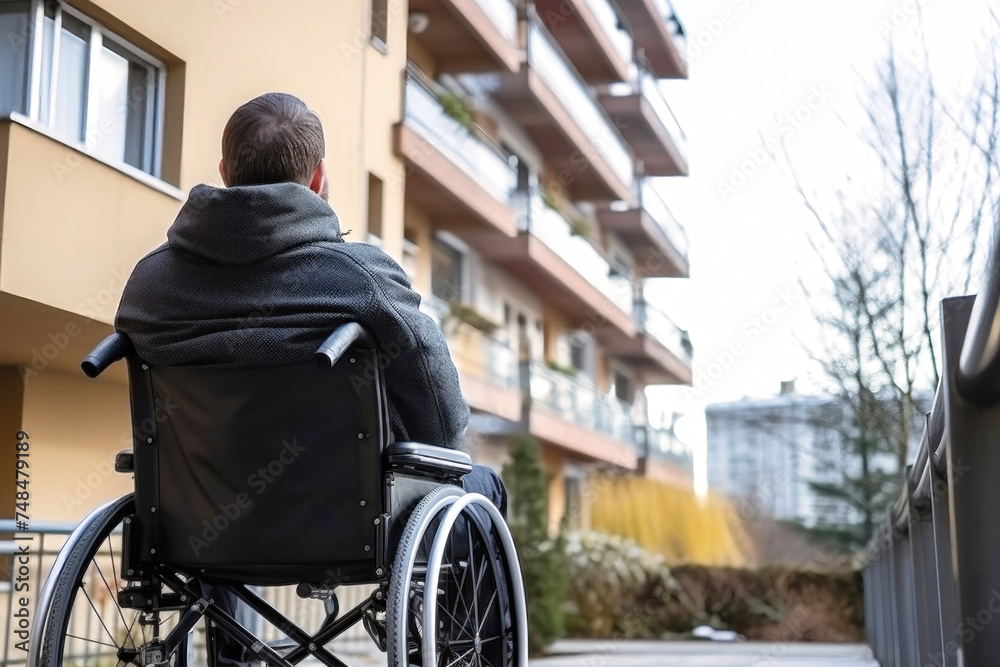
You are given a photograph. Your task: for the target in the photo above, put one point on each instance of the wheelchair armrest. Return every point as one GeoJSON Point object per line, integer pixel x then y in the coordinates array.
{"type": "Point", "coordinates": [427, 459]}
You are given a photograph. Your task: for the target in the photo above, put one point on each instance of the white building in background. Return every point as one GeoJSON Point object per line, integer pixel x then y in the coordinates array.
{"type": "Point", "coordinates": [765, 452]}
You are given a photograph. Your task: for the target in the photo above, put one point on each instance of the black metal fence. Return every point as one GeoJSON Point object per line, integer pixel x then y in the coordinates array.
{"type": "Point", "coordinates": [932, 570]}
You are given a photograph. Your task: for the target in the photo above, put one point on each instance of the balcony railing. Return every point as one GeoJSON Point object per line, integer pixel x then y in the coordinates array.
{"type": "Point", "coordinates": [650, 89]}
{"type": "Point", "coordinates": [467, 147]}
{"type": "Point", "coordinates": [479, 355]}
{"type": "Point", "coordinates": [653, 322]}
{"type": "Point", "coordinates": [553, 229]}
{"type": "Point", "coordinates": [662, 444]}
{"type": "Point", "coordinates": [651, 202]}
{"type": "Point", "coordinates": [665, 9]}
{"type": "Point", "coordinates": [553, 68]}
{"type": "Point", "coordinates": [503, 13]}
{"type": "Point", "coordinates": [579, 401]}
{"type": "Point", "coordinates": [608, 18]}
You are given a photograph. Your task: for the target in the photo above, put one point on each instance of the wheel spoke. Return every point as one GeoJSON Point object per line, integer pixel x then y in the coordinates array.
{"type": "Point", "coordinates": [99, 617]}
{"type": "Point", "coordinates": [114, 593]}
{"type": "Point", "coordinates": [459, 658]}
{"type": "Point", "coordinates": [487, 612]}
{"type": "Point", "coordinates": [92, 641]}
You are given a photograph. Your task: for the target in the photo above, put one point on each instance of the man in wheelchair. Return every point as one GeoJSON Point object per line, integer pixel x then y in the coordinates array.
{"type": "Point", "coordinates": [304, 377]}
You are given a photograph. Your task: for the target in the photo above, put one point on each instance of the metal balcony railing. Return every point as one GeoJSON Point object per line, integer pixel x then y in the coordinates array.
{"type": "Point", "coordinates": [503, 14]}
{"type": "Point", "coordinates": [608, 18]}
{"type": "Point", "coordinates": [649, 88]}
{"type": "Point", "coordinates": [654, 322]}
{"type": "Point", "coordinates": [552, 66]}
{"type": "Point", "coordinates": [665, 9]}
{"type": "Point", "coordinates": [579, 401]}
{"type": "Point", "coordinates": [553, 229]}
{"type": "Point", "coordinates": [651, 202]}
{"type": "Point", "coordinates": [662, 444]}
{"type": "Point", "coordinates": [466, 146]}
{"type": "Point", "coordinates": [931, 579]}
{"type": "Point", "coordinates": [480, 355]}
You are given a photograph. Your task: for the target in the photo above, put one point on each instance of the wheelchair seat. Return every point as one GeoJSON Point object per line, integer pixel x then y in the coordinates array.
{"type": "Point", "coordinates": [282, 475]}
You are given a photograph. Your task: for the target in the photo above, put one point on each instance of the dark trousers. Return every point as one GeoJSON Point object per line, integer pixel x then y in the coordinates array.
{"type": "Point", "coordinates": [230, 653]}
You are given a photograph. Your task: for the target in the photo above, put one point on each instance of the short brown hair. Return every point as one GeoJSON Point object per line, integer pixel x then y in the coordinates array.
{"type": "Point", "coordinates": [273, 138]}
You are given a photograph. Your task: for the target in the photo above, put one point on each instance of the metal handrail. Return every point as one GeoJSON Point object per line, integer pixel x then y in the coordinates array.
{"type": "Point", "coordinates": [978, 377]}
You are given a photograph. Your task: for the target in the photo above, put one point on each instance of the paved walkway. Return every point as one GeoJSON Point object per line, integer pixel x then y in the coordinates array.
{"type": "Point", "coordinates": [595, 653]}
{"type": "Point", "coordinates": [589, 653]}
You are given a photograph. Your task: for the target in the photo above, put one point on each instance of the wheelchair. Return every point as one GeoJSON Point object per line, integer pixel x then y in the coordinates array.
{"type": "Point", "coordinates": [280, 476]}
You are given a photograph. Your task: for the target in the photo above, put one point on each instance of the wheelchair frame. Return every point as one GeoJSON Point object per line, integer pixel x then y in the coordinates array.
{"type": "Point", "coordinates": [408, 477]}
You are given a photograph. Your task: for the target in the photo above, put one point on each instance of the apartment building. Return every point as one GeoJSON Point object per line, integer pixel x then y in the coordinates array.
{"type": "Point", "coordinates": [531, 133]}
{"type": "Point", "coordinates": [501, 152]}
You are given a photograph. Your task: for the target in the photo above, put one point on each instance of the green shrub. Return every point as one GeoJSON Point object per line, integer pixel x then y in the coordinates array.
{"type": "Point", "coordinates": [542, 559]}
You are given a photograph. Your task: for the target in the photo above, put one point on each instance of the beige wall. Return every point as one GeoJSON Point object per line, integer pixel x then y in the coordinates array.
{"type": "Point", "coordinates": [76, 427]}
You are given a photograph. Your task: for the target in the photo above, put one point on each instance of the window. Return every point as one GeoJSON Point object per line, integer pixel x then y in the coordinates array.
{"type": "Point", "coordinates": [83, 83]}
{"type": "Point", "coordinates": [624, 387]}
{"type": "Point", "coordinates": [374, 205]}
{"type": "Point", "coordinates": [380, 24]}
{"type": "Point", "coordinates": [446, 272]}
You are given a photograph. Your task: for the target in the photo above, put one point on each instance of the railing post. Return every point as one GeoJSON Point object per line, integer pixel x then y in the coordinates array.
{"type": "Point", "coordinates": [946, 592]}
{"type": "Point", "coordinates": [928, 628]}
{"type": "Point", "coordinates": [905, 599]}
{"type": "Point", "coordinates": [892, 594]}
{"type": "Point", "coordinates": [973, 457]}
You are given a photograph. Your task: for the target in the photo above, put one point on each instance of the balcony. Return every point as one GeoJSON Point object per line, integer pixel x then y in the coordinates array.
{"type": "Point", "coordinates": [562, 117]}
{"type": "Point", "coordinates": [552, 257]}
{"type": "Point", "coordinates": [454, 172]}
{"type": "Point", "coordinates": [664, 457]}
{"type": "Point", "coordinates": [487, 368]}
{"type": "Point", "coordinates": [658, 31]}
{"type": "Point", "coordinates": [470, 35]}
{"type": "Point", "coordinates": [588, 32]}
{"type": "Point", "coordinates": [573, 414]}
{"type": "Point", "coordinates": [662, 444]}
{"type": "Point", "coordinates": [661, 351]}
{"type": "Point", "coordinates": [66, 254]}
{"type": "Point", "coordinates": [653, 234]}
{"type": "Point", "coordinates": [648, 124]}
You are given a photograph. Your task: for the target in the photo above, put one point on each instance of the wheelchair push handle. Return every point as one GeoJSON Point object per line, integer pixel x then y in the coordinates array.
{"type": "Point", "coordinates": [107, 352]}
{"type": "Point", "coordinates": [339, 341]}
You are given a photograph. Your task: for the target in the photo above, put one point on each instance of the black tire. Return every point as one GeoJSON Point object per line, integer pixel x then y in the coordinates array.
{"type": "Point", "coordinates": [95, 629]}
{"type": "Point", "coordinates": [474, 618]}
{"type": "Point", "coordinates": [415, 539]}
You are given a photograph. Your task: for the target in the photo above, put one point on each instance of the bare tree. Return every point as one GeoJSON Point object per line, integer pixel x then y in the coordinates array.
{"type": "Point", "coordinates": [889, 257]}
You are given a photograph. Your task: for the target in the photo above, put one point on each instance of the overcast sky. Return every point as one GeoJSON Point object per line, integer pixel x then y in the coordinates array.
{"type": "Point", "coordinates": [760, 71]}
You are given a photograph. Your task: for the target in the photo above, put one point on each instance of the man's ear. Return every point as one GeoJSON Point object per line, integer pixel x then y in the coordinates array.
{"type": "Point", "coordinates": [222, 172]}
{"type": "Point", "coordinates": [318, 182]}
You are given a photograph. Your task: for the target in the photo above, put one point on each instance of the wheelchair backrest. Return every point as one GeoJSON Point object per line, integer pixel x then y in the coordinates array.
{"type": "Point", "coordinates": [265, 475]}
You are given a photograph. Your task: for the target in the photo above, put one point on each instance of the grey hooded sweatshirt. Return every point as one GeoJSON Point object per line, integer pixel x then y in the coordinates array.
{"type": "Point", "coordinates": [259, 275]}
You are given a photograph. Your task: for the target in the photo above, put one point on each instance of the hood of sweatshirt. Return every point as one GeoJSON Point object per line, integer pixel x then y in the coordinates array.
{"type": "Point", "coordinates": [244, 224]}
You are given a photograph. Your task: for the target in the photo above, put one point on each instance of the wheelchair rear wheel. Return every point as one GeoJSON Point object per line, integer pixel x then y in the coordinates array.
{"type": "Point", "coordinates": [461, 567]}
{"type": "Point", "coordinates": [80, 619]}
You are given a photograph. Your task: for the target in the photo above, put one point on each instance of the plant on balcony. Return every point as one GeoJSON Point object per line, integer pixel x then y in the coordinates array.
{"type": "Point", "coordinates": [458, 109]}
{"type": "Point", "coordinates": [579, 226]}
{"type": "Point", "coordinates": [558, 367]}
{"type": "Point", "coordinates": [463, 312]}
{"type": "Point", "coordinates": [543, 560]}
{"type": "Point", "coordinates": [549, 200]}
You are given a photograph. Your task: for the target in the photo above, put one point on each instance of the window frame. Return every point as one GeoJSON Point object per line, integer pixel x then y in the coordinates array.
{"type": "Point", "coordinates": [153, 126]}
